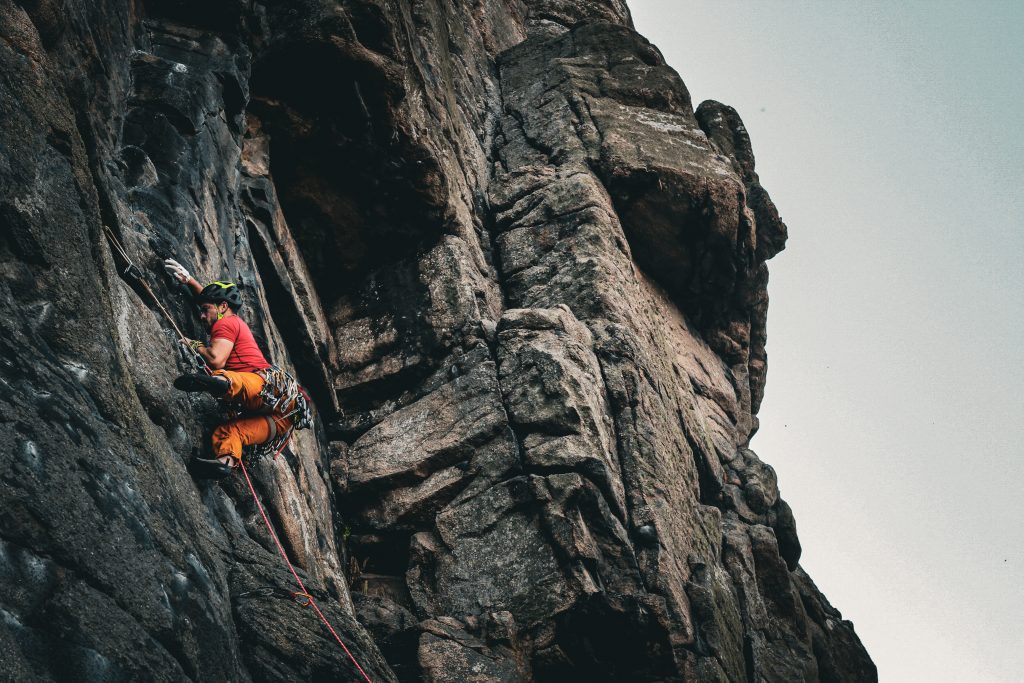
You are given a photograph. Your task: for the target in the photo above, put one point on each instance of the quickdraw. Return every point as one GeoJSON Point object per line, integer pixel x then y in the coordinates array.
{"type": "Point", "coordinates": [282, 395]}
{"type": "Point", "coordinates": [274, 447]}
{"type": "Point", "coordinates": [193, 361]}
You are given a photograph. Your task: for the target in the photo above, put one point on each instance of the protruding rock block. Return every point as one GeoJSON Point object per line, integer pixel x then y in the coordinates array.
{"type": "Point", "coordinates": [524, 283]}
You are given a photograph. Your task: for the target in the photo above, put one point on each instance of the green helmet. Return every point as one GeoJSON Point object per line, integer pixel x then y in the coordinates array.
{"type": "Point", "coordinates": [216, 292]}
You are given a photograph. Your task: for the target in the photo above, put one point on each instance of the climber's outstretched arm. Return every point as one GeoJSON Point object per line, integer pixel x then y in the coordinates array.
{"type": "Point", "coordinates": [179, 273]}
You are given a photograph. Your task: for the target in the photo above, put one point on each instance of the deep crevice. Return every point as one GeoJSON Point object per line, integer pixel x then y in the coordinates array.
{"type": "Point", "coordinates": [363, 204]}
{"type": "Point", "coordinates": [289, 322]}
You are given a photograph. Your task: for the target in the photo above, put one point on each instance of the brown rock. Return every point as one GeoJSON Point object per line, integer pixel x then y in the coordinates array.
{"type": "Point", "coordinates": [525, 284]}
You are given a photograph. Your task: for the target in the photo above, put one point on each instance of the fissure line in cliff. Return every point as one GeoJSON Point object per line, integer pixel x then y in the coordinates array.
{"type": "Point", "coordinates": [524, 283]}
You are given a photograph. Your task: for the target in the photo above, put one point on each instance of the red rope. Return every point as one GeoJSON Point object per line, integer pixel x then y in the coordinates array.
{"type": "Point", "coordinates": [305, 593]}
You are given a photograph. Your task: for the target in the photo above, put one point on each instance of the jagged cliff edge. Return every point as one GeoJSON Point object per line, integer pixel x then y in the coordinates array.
{"type": "Point", "coordinates": [524, 281]}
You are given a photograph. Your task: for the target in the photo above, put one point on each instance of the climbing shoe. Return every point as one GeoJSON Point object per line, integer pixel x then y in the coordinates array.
{"type": "Point", "coordinates": [214, 385]}
{"type": "Point", "coordinates": [206, 468]}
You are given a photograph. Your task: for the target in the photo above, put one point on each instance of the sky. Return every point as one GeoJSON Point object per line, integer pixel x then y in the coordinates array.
{"type": "Point", "coordinates": [891, 138]}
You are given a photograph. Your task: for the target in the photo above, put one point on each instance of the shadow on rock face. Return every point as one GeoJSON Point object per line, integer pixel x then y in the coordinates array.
{"type": "Point", "coordinates": [357, 194]}
{"type": "Point", "coordinates": [602, 639]}
{"type": "Point", "coordinates": [362, 200]}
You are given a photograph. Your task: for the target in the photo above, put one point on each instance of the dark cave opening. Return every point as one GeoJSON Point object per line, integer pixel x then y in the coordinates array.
{"type": "Point", "coordinates": [378, 563]}
{"type": "Point", "coordinates": [606, 638]}
{"type": "Point", "coordinates": [356, 194]}
{"type": "Point", "coordinates": [362, 201]}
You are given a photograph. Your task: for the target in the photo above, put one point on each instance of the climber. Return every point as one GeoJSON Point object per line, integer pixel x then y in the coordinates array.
{"type": "Point", "coordinates": [238, 374]}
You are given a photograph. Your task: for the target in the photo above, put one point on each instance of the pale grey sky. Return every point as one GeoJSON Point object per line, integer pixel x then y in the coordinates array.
{"type": "Point", "coordinates": [891, 137]}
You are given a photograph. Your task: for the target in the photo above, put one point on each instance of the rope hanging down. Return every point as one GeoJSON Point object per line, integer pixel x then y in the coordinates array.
{"type": "Point", "coordinates": [131, 270]}
{"type": "Point", "coordinates": [305, 595]}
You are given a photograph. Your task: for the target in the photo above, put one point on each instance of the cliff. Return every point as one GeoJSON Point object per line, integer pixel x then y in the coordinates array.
{"type": "Point", "coordinates": [524, 282]}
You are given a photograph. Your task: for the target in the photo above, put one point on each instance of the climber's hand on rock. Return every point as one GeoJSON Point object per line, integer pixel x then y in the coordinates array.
{"type": "Point", "coordinates": [176, 270]}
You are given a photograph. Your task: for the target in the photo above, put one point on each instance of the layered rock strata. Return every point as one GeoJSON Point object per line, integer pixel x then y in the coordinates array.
{"type": "Point", "coordinates": [524, 282]}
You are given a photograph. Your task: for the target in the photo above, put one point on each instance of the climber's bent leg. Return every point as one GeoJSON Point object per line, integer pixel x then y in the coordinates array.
{"type": "Point", "coordinates": [244, 390]}
{"type": "Point", "coordinates": [230, 437]}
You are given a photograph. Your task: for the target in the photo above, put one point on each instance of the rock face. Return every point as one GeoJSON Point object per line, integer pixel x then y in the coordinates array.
{"type": "Point", "coordinates": [524, 282]}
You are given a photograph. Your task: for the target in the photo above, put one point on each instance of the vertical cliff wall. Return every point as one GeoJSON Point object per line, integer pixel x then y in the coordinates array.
{"type": "Point", "coordinates": [525, 283]}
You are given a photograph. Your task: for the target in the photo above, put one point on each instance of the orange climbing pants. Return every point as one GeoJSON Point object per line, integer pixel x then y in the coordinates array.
{"type": "Point", "coordinates": [248, 430]}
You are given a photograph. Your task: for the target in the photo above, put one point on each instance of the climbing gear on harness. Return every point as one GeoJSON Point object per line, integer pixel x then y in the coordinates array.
{"type": "Point", "coordinates": [176, 270]}
{"type": "Point", "coordinates": [216, 292]}
{"type": "Point", "coordinates": [307, 598]}
{"type": "Point", "coordinates": [274, 447]}
{"type": "Point", "coordinates": [282, 394]}
{"type": "Point", "coordinates": [192, 359]}
{"type": "Point", "coordinates": [214, 385]}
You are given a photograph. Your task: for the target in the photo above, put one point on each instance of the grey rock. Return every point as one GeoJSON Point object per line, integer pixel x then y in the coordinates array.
{"type": "Point", "coordinates": [440, 429]}
{"type": "Point", "coordinates": [525, 283]}
{"type": "Point", "coordinates": [445, 648]}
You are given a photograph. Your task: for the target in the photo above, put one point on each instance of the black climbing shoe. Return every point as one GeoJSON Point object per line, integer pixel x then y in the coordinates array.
{"type": "Point", "coordinates": [205, 468]}
{"type": "Point", "coordinates": [212, 384]}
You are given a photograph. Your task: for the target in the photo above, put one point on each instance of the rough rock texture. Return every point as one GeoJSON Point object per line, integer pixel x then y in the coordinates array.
{"type": "Point", "coordinates": [525, 283]}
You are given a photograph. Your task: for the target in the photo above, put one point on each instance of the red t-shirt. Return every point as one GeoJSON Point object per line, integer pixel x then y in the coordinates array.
{"type": "Point", "coordinates": [245, 356]}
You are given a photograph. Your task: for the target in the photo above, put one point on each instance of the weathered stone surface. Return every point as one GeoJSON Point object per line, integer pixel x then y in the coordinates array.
{"type": "Point", "coordinates": [441, 429]}
{"type": "Point", "coordinates": [445, 648]}
{"type": "Point", "coordinates": [552, 384]}
{"type": "Point", "coordinates": [495, 557]}
{"type": "Point", "coordinates": [525, 284]}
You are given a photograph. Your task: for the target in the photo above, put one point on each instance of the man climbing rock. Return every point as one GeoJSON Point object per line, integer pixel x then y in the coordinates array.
{"type": "Point", "coordinates": [239, 374]}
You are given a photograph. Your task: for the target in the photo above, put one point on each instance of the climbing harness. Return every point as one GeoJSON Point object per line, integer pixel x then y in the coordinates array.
{"type": "Point", "coordinates": [304, 597]}
{"type": "Point", "coordinates": [282, 396]}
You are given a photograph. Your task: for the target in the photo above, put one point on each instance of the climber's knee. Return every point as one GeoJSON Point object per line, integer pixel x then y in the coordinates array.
{"type": "Point", "coordinates": [245, 388]}
{"type": "Point", "coordinates": [231, 437]}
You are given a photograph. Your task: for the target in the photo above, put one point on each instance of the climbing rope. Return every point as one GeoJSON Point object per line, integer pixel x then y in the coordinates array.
{"type": "Point", "coordinates": [189, 354]}
{"type": "Point", "coordinates": [303, 598]}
